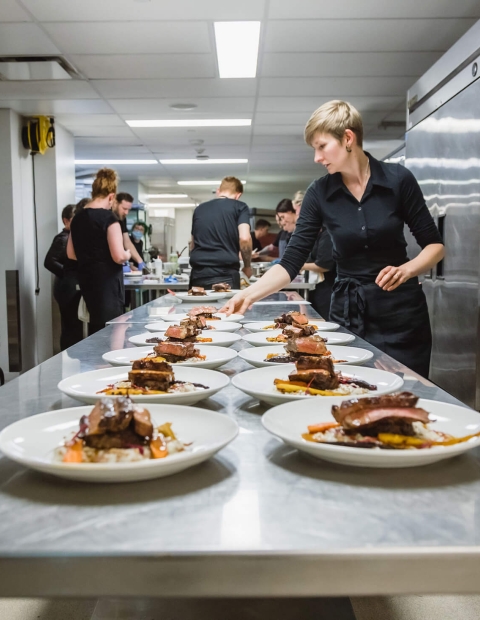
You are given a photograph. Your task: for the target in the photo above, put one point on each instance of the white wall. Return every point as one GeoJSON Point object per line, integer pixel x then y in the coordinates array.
{"type": "Point", "coordinates": [55, 182]}
{"type": "Point", "coordinates": [183, 229]}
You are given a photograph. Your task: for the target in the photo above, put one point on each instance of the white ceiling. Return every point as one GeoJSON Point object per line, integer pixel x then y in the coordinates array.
{"type": "Point", "coordinates": [138, 57]}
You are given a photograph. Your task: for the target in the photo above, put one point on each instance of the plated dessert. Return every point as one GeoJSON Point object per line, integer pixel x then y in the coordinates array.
{"type": "Point", "coordinates": [118, 431]}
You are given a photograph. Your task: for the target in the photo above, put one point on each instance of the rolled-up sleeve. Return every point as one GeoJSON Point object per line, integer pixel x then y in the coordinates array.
{"type": "Point", "coordinates": [416, 213]}
{"type": "Point", "coordinates": [306, 231]}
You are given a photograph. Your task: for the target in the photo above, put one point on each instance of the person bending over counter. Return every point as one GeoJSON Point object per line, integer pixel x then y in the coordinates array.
{"type": "Point", "coordinates": [96, 243]}
{"type": "Point", "coordinates": [364, 204]}
{"type": "Point", "coordinates": [220, 230]}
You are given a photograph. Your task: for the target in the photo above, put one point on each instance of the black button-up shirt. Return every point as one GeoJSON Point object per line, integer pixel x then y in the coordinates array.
{"type": "Point", "coordinates": [368, 234]}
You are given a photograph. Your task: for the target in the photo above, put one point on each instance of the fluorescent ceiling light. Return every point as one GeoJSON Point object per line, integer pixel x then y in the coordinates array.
{"type": "Point", "coordinates": [167, 196]}
{"type": "Point", "coordinates": [115, 162]}
{"type": "Point", "coordinates": [203, 161]}
{"type": "Point", "coordinates": [172, 204]}
{"type": "Point", "coordinates": [212, 183]}
{"type": "Point", "coordinates": [237, 48]}
{"type": "Point", "coordinates": [209, 122]}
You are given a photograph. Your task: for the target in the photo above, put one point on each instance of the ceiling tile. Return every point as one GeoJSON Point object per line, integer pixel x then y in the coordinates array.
{"type": "Point", "coordinates": [61, 106]}
{"type": "Point", "coordinates": [309, 104]}
{"type": "Point", "coordinates": [159, 108]}
{"type": "Point", "coordinates": [411, 9]}
{"type": "Point", "coordinates": [132, 37]}
{"type": "Point", "coordinates": [10, 11]}
{"type": "Point", "coordinates": [146, 66]}
{"type": "Point", "coordinates": [363, 35]}
{"type": "Point", "coordinates": [54, 89]}
{"type": "Point", "coordinates": [86, 148]}
{"type": "Point", "coordinates": [336, 88]}
{"type": "Point", "coordinates": [347, 64]}
{"type": "Point", "coordinates": [140, 89]}
{"type": "Point", "coordinates": [128, 10]}
{"type": "Point", "coordinates": [90, 120]}
{"type": "Point", "coordinates": [107, 131]}
{"type": "Point", "coordinates": [17, 39]}
{"type": "Point", "coordinates": [99, 143]}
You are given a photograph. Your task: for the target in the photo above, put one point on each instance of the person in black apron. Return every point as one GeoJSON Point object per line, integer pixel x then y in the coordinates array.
{"type": "Point", "coordinates": [321, 261]}
{"type": "Point", "coordinates": [364, 204]}
{"type": "Point", "coordinates": [96, 243]}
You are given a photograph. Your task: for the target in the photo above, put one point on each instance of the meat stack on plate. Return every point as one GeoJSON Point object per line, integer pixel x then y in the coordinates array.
{"type": "Point", "coordinates": [196, 291]}
{"type": "Point", "coordinates": [180, 343]}
{"type": "Point", "coordinates": [151, 373]}
{"type": "Point", "coordinates": [221, 287]}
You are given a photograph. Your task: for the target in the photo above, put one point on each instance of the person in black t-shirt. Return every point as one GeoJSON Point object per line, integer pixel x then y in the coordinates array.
{"type": "Point", "coordinates": [261, 229]}
{"type": "Point", "coordinates": [136, 237]}
{"type": "Point", "coordinates": [286, 218]}
{"type": "Point", "coordinates": [96, 244]}
{"type": "Point", "coordinates": [220, 230]}
{"type": "Point", "coordinates": [121, 209]}
{"type": "Point", "coordinates": [65, 290]}
{"type": "Point", "coordinates": [321, 261]}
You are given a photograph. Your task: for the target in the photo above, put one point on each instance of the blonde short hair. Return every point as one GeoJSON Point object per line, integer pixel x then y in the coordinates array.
{"type": "Point", "coordinates": [334, 117]}
{"type": "Point", "coordinates": [299, 196]}
{"type": "Point", "coordinates": [231, 184]}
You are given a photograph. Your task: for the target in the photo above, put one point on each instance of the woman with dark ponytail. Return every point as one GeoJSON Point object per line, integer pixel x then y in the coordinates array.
{"type": "Point", "coordinates": [96, 243]}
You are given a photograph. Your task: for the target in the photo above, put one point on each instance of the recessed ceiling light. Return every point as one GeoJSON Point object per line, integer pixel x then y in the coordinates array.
{"type": "Point", "coordinates": [209, 122]}
{"type": "Point", "coordinates": [237, 48]}
{"type": "Point", "coordinates": [185, 107]}
{"type": "Point", "coordinates": [115, 162]}
{"type": "Point", "coordinates": [173, 162]}
{"type": "Point", "coordinates": [212, 183]}
{"type": "Point", "coordinates": [167, 196]}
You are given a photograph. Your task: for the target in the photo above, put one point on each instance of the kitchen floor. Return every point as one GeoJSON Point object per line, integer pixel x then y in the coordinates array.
{"type": "Point", "coordinates": [368, 608]}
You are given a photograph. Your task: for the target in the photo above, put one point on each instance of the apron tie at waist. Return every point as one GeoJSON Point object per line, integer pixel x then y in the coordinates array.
{"type": "Point", "coordinates": [354, 304]}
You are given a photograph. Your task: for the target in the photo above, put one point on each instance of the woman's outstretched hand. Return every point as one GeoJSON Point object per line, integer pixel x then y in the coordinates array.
{"type": "Point", "coordinates": [239, 304]}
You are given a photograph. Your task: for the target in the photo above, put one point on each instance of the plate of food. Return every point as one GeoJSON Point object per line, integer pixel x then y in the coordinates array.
{"type": "Point", "coordinates": [314, 380]}
{"type": "Point", "coordinates": [184, 386]}
{"type": "Point", "coordinates": [198, 293]}
{"type": "Point", "coordinates": [210, 317]}
{"type": "Point", "coordinates": [277, 336]}
{"type": "Point", "coordinates": [175, 353]}
{"type": "Point", "coordinates": [394, 430]}
{"type": "Point", "coordinates": [217, 326]}
{"type": "Point", "coordinates": [293, 321]}
{"type": "Point", "coordinates": [117, 440]}
{"type": "Point", "coordinates": [210, 338]}
{"type": "Point", "coordinates": [228, 292]}
{"type": "Point", "coordinates": [276, 354]}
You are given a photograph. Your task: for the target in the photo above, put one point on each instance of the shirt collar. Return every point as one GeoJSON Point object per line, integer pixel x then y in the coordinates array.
{"type": "Point", "coordinates": [377, 177]}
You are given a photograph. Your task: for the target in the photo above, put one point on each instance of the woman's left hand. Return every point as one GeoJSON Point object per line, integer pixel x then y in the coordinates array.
{"type": "Point", "coordinates": [391, 277]}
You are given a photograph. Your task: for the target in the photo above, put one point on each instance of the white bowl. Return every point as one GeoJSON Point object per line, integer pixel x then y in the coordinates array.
{"type": "Point", "coordinates": [289, 421]}
{"type": "Point", "coordinates": [259, 383]}
{"type": "Point", "coordinates": [264, 326]}
{"type": "Point", "coordinates": [256, 356]}
{"type": "Point", "coordinates": [218, 326]}
{"type": "Point", "coordinates": [31, 442]}
{"type": "Point", "coordinates": [259, 339]}
{"type": "Point", "coordinates": [219, 339]}
{"type": "Point", "coordinates": [215, 356]}
{"type": "Point", "coordinates": [86, 385]}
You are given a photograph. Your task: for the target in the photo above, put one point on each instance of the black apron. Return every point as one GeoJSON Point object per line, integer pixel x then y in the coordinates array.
{"type": "Point", "coordinates": [395, 322]}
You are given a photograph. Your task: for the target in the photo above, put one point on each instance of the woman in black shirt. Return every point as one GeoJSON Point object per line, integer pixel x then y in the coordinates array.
{"type": "Point", "coordinates": [321, 261]}
{"type": "Point", "coordinates": [96, 243]}
{"type": "Point", "coordinates": [364, 204]}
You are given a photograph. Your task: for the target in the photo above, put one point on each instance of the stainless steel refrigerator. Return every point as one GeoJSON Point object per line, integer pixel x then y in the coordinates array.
{"type": "Point", "coordinates": [443, 152]}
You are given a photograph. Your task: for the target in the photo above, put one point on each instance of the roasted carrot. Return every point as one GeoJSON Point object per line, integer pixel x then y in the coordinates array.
{"type": "Point", "coordinates": [74, 452]}
{"type": "Point", "coordinates": [158, 448]}
{"type": "Point", "coordinates": [322, 427]}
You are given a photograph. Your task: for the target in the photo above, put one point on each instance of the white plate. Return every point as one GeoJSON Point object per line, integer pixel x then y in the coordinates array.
{"type": "Point", "coordinates": [31, 442]}
{"type": "Point", "coordinates": [220, 326]}
{"type": "Point", "coordinates": [259, 326]}
{"type": "Point", "coordinates": [229, 293]}
{"type": "Point", "coordinates": [194, 298]}
{"type": "Point", "coordinates": [259, 383]}
{"type": "Point", "coordinates": [133, 274]}
{"type": "Point", "coordinates": [352, 355]}
{"type": "Point", "coordinates": [289, 421]}
{"type": "Point", "coordinates": [219, 339]}
{"type": "Point", "coordinates": [222, 316]}
{"type": "Point", "coordinates": [85, 386]}
{"type": "Point", "coordinates": [215, 356]}
{"type": "Point", "coordinates": [259, 339]}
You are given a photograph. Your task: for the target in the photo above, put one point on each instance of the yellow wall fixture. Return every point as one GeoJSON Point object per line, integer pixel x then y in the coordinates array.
{"type": "Point", "coordinates": [38, 134]}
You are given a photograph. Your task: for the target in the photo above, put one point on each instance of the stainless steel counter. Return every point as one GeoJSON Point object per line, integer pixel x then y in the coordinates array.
{"type": "Point", "coordinates": [257, 520]}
